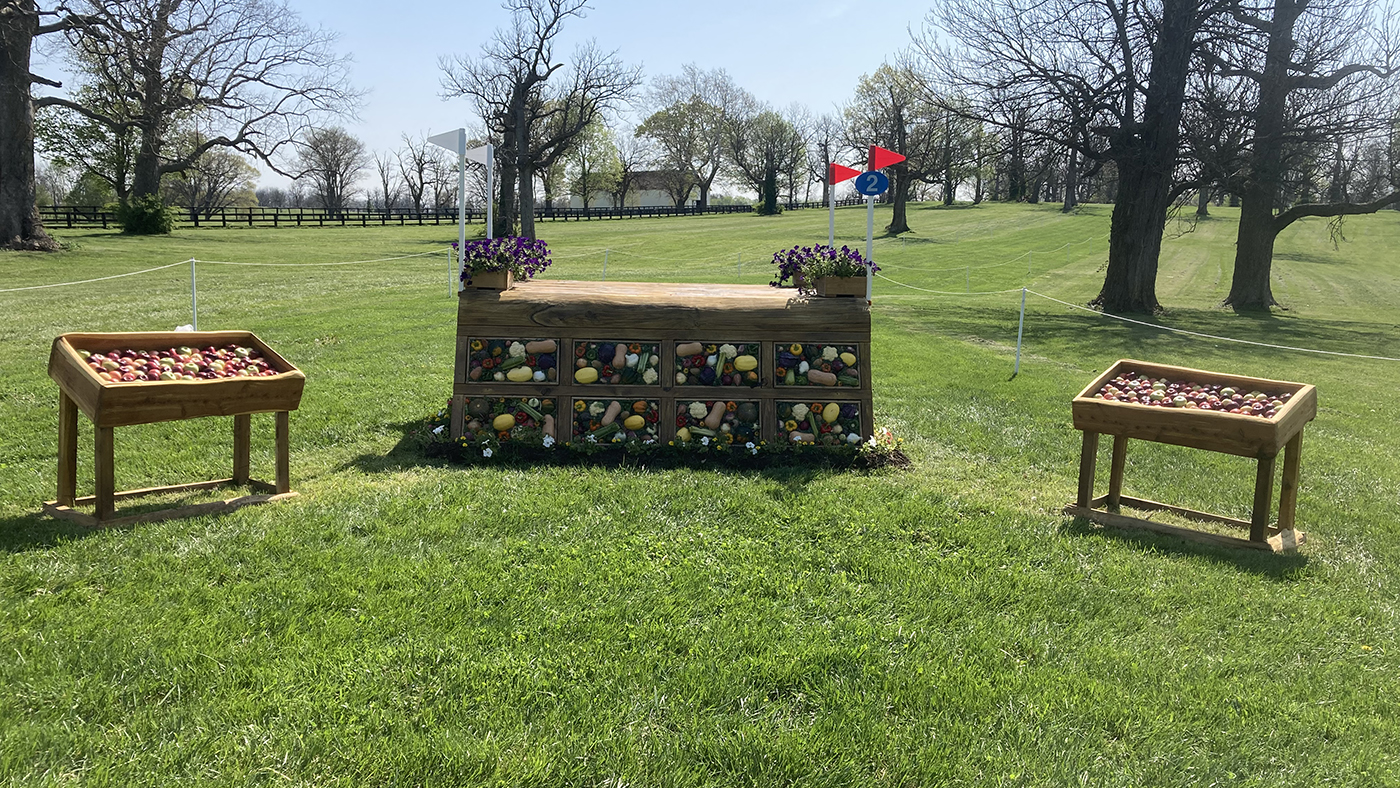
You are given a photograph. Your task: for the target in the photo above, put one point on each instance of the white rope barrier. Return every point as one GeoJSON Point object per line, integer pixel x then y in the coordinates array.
{"type": "Point", "coordinates": [98, 279]}
{"type": "Point", "coordinates": [1212, 336]}
{"type": "Point", "coordinates": [324, 265]}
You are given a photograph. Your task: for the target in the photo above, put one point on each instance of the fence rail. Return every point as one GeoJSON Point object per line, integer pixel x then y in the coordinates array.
{"type": "Point", "coordinates": [71, 216]}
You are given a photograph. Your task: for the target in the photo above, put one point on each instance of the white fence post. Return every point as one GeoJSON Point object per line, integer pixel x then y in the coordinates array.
{"type": "Point", "coordinates": [605, 265]}
{"type": "Point", "coordinates": [1020, 330]}
{"type": "Point", "coordinates": [194, 300]}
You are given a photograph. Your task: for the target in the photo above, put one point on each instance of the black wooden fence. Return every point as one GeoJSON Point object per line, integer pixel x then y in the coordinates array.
{"type": "Point", "coordinates": [70, 216]}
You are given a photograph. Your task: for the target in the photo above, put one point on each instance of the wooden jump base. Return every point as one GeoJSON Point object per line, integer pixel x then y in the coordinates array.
{"type": "Point", "coordinates": [1228, 433]}
{"type": "Point", "coordinates": [663, 316]}
{"type": "Point", "coordinates": [110, 405]}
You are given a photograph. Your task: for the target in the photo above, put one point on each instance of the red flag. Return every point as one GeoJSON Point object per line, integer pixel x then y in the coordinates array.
{"type": "Point", "coordinates": [881, 158]}
{"type": "Point", "coordinates": [840, 173]}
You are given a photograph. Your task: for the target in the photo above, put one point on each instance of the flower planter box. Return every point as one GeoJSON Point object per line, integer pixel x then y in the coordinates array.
{"type": "Point", "coordinates": [841, 286]}
{"type": "Point", "coordinates": [492, 280]}
{"type": "Point", "coordinates": [657, 319]}
{"type": "Point", "coordinates": [1212, 430]}
{"type": "Point", "coordinates": [111, 404]}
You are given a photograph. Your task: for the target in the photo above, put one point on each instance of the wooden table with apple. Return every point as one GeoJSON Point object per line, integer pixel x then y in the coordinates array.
{"type": "Point", "coordinates": [1231, 414]}
{"type": "Point", "coordinates": [168, 378]}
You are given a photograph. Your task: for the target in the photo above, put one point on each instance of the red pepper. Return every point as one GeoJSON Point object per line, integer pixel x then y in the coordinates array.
{"type": "Point", "coordinates": [487, 363]}
{"type": "Point", "coordinates": [680, 421]}
{"type": "Point", "coordinates": [651, 416]}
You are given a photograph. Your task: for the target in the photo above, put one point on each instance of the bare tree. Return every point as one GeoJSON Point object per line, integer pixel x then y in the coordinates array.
{"type": "Point", "coordinates": [331, 160]}
{"type": "Point", "coordinates": [633, 153]}
{"type": "Point", "coordinates": [825, 144]}
{"type": "Point", "coordinates": [1110, 78]}
{"type": "Point", "coordinates": [686, 123]}
{"type": "Point", "coordinates": [219, 178]}
{"type": "Point", "coordinates": [759, 144]}
{"type": "Point", "coordinates": [1320, 68]}
{"type": "Point", "coordinates": [416, 169]}
{"type": "Point", "coordinates": [534, 105]}
{"type": "Point", "coordinates": [385, 166]}
{"type": "Point", "coordinates": [250, 69]}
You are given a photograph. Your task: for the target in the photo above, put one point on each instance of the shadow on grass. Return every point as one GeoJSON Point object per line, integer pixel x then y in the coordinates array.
{"type": "Point", "coordinates": [1279, 567]}
{"type": "Point", "coordinates": [1083, 333]}
{"type": "Point", "coordinates": [38, 531]}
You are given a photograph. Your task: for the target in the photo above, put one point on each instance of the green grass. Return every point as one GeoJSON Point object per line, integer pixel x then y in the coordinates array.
{"type": "Point", "coordinates": [407, 622]}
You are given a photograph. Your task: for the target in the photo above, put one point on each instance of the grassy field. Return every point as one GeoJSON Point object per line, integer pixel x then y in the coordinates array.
{"type": "Point", "coordinates": [408, 622]}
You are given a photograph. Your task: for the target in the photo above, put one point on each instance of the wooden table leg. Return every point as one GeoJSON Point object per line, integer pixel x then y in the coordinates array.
{"type": "Point", "coordinates": [1115, 475]}
{"type": "Point", "coordinates": [67, 450]}
{"type": "Point", "coordinates": [242, 447]}
{"type": "Point", "coordinates": [1088, 464]}
{"type": "Point", "coordinates": [1263, 499]}
{"type": "Point", "coordinates": [1288, 496]}
{"type": "Point", "coordinates": [284, 452]}
{"type": "Point", "coordinates": [104, 444]}
{"type": "Point", "coordinates": [459, 417]}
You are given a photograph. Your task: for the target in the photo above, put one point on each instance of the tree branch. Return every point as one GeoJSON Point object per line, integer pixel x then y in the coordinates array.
{"type": "Point", "coordinates": [1332, 209]}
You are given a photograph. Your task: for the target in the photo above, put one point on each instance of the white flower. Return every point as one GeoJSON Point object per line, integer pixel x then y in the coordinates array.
{"type": "Point", "coordinates": [486, 452]}
{"type": "Point", "coordinates": [632, 359]}
{"type": "Point", "coordinates": [697, 410]}
{"type": "Point", "coordinates": [870, 443]}
{"type": "Point", "coordinates": [548, 441]}
{"type": "Point", "coordinates": [829, 353]}
{"type": "Point", "coordinates": [705, 441]}
{"type": "Point", "coordinates": [799, 412]}
{"type": "Point", "coordinates": [596, 408]}
{"type": "Point", "coordinates": [592, 438]}
{"type": "Point", "coordinates": [438, 429]}
{"type": "Point", "coordinates": [748, 445]}
{"type": "Point", "coordinates": [516, 350]}
{"type": "Point", "coordinates": [649, 376]}
{"type": "Point", "coordinates": [803, 367]}
{"type": "Point", "coordinates": [728, 350]}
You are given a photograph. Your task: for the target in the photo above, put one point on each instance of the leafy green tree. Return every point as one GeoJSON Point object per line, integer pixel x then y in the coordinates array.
{"type": "Point", "coordinates": [593, 163]}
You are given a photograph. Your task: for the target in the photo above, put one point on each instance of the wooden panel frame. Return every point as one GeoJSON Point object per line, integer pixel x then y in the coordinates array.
{"type": "Point", "coordinates": [666, 313]}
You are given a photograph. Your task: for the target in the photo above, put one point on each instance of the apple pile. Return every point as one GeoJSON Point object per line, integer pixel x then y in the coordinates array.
{"type": "Point", "coordinates": [179, 363]}
{"type": "Point", "coordinates": [1163, 393]}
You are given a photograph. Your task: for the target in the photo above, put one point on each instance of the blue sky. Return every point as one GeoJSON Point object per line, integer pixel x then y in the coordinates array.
{"type": "Point", "coordinates": [812, 53]}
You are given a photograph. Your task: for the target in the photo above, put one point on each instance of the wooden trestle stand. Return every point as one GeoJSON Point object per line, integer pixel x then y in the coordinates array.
{"type": "Point", "coordinates": [1228, 433]}
{"type": "Point", "coordinates": [110, 405]}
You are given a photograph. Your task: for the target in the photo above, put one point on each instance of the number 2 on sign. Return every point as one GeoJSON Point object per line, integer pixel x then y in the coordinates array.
{"type": "Point", "coordinates": [872, 182]}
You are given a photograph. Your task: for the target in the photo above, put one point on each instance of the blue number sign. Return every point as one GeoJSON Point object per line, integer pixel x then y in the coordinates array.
{"type": "Point", "coordinates": [872, 183]}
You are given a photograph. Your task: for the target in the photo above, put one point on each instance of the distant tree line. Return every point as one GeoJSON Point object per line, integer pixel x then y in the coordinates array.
{"type": "Point", "coordinates": [1286, 108]}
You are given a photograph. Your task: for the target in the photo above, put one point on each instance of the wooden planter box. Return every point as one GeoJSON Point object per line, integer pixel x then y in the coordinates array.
{"type": "Point", "coordinates": [836, 286]}
{"type": "Point", "coordinates": [576, 315]}
{"type": "Point", "coordinates": [1228, 433]}
{"type": "Point", "coordinates": [109, 405]}
{"type": "Point", "coordinates": [492, 280]}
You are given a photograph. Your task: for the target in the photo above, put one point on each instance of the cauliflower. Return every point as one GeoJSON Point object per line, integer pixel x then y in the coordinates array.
{"type": "Point", "coordinates": [728, 351]}
{"type": "Point", "coordinates": [698, 410]}
{"type": "Point", "coordinates": [499, 376]}
{"type": "Point", "coordinates": [829, 353]}
{"type": "Point", "coordinates": [799, 411]}
{"type": "Point", "coordinates": [649, 376]}
{"type": "Point", "coordinates": [516, 350]}
{"type": "Point", "coordinates": [596, 409]}
{"type": "Point", "coordinates": [680, 377]}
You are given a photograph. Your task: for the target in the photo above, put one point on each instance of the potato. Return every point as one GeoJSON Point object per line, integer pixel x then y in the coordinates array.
{"type": "Point", "coordinates": [689, 349]}
{"type": "Point", "coordinates": [542, 346]}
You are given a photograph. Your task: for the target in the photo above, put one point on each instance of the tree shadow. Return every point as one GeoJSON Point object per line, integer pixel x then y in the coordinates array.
{"type": "Point", "coordinates": [1279, 567]}
{"type": "Point", "coordinates": [38, 531]}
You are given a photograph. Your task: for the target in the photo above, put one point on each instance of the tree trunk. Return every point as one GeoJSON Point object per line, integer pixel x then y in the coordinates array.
{"type": "Point", "coordinates": [1071, 182]}
{"type": "Point", "coordinates": [527, 200]}
{"type": "Point", "coordinates": [770, 191]}
{"type": "Point", "coordinates": [20, 226]}
{"type": "Point", "coordinates": [899, 188]}
{"type": "Point", "coordinates": [1254, 246]}
{"type": "Point", "coordinates": [1145, 163]}
{"type": "Point", "coordinates": [1203, 203]}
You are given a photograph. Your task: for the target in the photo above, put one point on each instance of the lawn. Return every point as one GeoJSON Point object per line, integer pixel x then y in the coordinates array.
{"type": "Point", "coordinates": [411, 622]}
